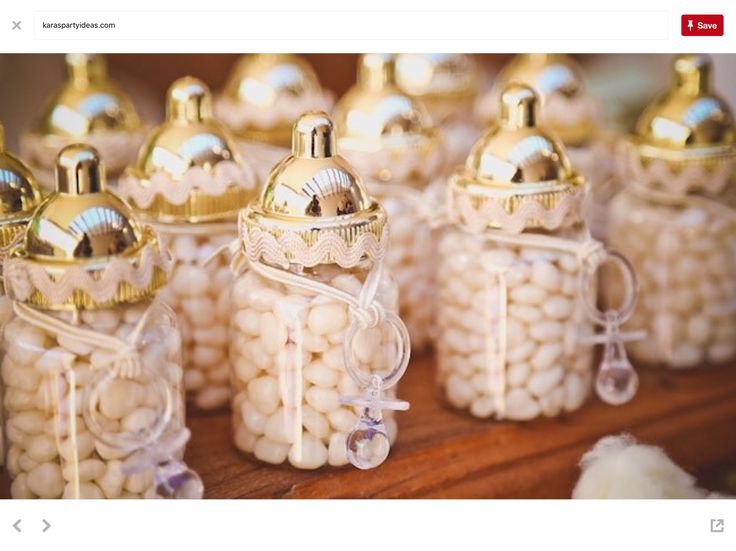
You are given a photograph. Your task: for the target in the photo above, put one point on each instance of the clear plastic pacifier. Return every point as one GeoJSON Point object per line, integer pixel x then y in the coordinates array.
{"type": "Point", "coordinates": [171, 477]}
{"type": "Point", "coordinates": [617, 380]}
{"type": "Point", "coordinates": [368, 443]}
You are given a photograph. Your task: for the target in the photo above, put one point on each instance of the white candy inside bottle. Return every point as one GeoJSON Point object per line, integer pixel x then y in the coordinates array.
{"type": "Point", "coordinates": [92, 377]}
{"type": "Point", "coordinates": [192, 196]}
{"type": "Point", "coordinates": [532, 296]}
{"type": "Point", "coordinates": [199, 292]}
{"type": "Point", "coordinates": [313, 323]}
{"type": "Point", "coordinates": [676, 221]}
{"type": "Point", "coordinates": [515, 332]}
{"type": "Point", "coordinates": [389, 137]}
{"type": "Point", "coordinates": [46, 377]}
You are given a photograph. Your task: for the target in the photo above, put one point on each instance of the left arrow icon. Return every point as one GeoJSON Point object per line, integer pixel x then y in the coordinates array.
{"type": "Point", "coordinates": [16, 525]}
{"type": "Point", "coordinates": [46, 525]}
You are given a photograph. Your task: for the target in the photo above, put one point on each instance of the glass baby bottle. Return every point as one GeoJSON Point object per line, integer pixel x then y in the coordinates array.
{"type": "Point", "coordinates": [676, 220]}
{"type": "Point", "coordinates": [516, 279]}
{"type": "Point", "coordinates": [263, 96]}
{"type": "Point", "coordinates": [447, 85]}
{"type": "Point", "coordinates": [19, 196]}
{"type": "Point", "coordinates": [88, 107]}
{"type": "Point", "coordinates": [189, 182]}
{"type": "Point", "coordinates": [317, 345]}
{"type": "Point", "coordinates": [574, 114]}
{"type": "Point", "coordinates": [390, 139]}
{"type": "Point", "coordinates": [91, 366]}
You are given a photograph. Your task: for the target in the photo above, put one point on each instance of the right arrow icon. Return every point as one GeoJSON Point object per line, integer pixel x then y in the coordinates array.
{"type": "Point", "coordinates": [16, 525]}
{"type": "Point", "coordinates": [46, 525]}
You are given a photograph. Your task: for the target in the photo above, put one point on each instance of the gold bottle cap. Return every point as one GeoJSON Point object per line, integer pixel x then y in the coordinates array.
{"type": "Point", "coordinates": [83, 248]}
{"type": "Point", "coordinates": [445, 83]}
{"type": "Point", "coordinates": [377, 121]}
{"type": "Point", "coordinates": [569, 111]}
{"type": "Point", "coordinates": [517, 162]}
{"type": "Point", "coordinates": [267, 85]}
{"type": "Point", "coordinates": [193, 157]}
{"type": "Point", "coordinates": [315, 194]}
{"type": "Point", "coordinates": [689, 121]}
{"type": "Point", "coordinates": [19, 194]}
{"type": "Point", "coordinates": [88, 102]}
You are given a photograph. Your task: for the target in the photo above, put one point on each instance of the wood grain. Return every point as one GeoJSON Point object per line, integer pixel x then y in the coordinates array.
{"type": "Point", "coordinates": [448, 454]}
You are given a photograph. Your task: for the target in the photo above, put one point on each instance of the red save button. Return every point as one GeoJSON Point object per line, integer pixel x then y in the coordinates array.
{"type": "Point", "coordinates": [702, 25]}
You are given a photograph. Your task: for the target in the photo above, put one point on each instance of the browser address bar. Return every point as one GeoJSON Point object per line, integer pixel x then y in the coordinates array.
{"type": "Point", "coordinates": [351, 26]}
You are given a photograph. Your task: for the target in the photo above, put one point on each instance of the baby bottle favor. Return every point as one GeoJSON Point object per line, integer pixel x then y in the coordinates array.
{"type": "Point", "coordinates": [447, 85]}
{"type": "Point", "coordinates": [189, 182]}
{"type": "Point", "coordinates": [390, 140]}
{"type": "Point", "coordinates": [263, 97]}
{"type": "Point", "coordinates": [19, 197]}
{"type": "Point", "coordinates": [676, 221]}
{"type": "Point", "coordinates": [88, 108]}
{"type": "Point", "coordinates": [91, 367]}
{"type": "Point", "coordinates": [516, 277]}
{"type": "Point", "coordinates": [573, 114]}
{"type": "Point", "coordinates": [316, 345]}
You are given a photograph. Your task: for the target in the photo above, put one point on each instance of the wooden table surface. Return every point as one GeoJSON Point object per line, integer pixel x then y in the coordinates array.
{"type": "Point", "coordinates": [445, 453]}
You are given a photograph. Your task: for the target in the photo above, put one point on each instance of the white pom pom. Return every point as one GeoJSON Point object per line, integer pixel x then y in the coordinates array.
{"type": "Point", "coordinates": [619, 468]}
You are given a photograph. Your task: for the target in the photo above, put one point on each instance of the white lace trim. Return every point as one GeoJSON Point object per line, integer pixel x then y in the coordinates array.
{"type": "Point", "coordinates": [687, 178]}
{"type": "Point", "coordinates": [286, 109]}
{"type": "Point", "coordinates": [23, 277]}
{"type": "Point", "coordinates": [177, 192]}
{"type": "Point", "coordinates": [290, 248]}
{"type": "Point", "coordinates": [401, 166]}
{"type": "Point", "coordinates": [117, 148]}
{"type": "Point", "coordinates": [718, 207]}
{"type": "Point", "coordinates": [557, 110]}
{"type": "Point", "coordinates": [493, 214]}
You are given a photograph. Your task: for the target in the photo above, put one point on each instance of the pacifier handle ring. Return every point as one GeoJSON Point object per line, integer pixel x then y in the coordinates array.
{"type": "Point", "coordinates": [626, 309]}
{"type": "Point", "coordinates": [98, 431]}
{"type": "Point", "coordinates": [364, 379]}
